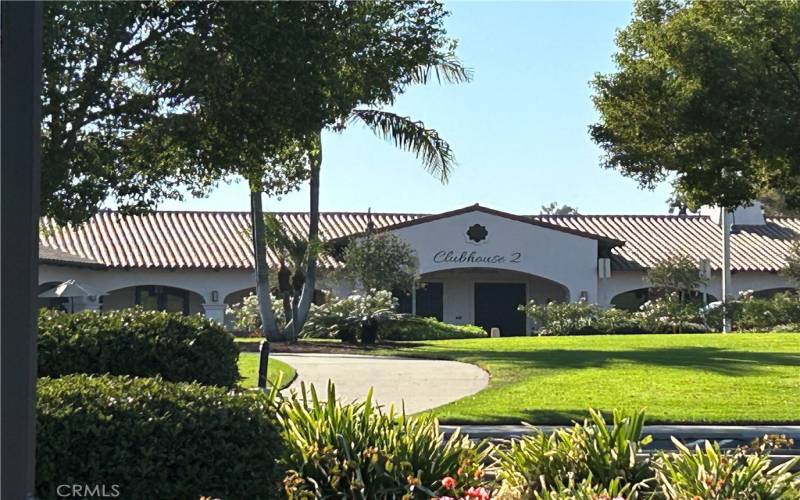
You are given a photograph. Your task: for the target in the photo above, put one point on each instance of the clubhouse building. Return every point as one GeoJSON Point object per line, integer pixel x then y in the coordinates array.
{"type": "Point", "coordinates": [477, 264]}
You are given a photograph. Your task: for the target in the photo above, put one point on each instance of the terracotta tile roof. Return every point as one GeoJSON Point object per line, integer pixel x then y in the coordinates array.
{"type": "Point", "coordinates": [54, 256]}
{"type": "Point", "coordinates": [649, 238]}
{"type": "Point", "coordinates": [220, 240]}
{"type": "Point", "coordinates": [191, 240]}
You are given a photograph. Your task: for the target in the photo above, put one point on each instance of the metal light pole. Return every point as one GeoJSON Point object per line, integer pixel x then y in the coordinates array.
{"type": "Point", "coordinates": [725, 219]}
{"type": "Point", "coordinates": [19, 222]}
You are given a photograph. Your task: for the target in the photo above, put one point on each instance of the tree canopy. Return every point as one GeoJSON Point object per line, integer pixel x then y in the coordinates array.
{"type": "Point", "coordinates": [706, 93]}
{"type": "Point", "coordinates": [144, 101]}
{"type": "Point", "coordinates": [381, 262]}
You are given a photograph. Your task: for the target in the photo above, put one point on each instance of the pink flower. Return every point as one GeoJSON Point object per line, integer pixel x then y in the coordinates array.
{"type": "Point", "coordinates": [479, 493]}
{"type": "Point", "coordinates": [448, 483]}
{"type": "Point", "coordinates": [445, 498]}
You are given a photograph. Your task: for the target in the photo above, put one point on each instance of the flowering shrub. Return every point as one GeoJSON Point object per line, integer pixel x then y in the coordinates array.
{"type": "Point", "coordinates": [563, 318]}
{"type": "Point", "coordinates": [347, 318]}
{"type": "Point", "coordinates": [335, 450]}
{"type": "Point", "coordinates": [752, 313]}
{"type": "Point", "coordinates": [671, 314]}
{"type": "Point", "coordinates": [667, 314]}
{"type": "Point", "coordinates": [245, 317]}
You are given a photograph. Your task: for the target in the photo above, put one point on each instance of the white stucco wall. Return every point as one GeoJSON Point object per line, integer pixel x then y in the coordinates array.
{"type": "Point", "coordinates": [565, 258]}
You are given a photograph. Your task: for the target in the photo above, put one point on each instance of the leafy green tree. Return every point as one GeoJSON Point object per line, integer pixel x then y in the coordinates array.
{"type": "Point", "coordinates": [676, 274]}
{"type": "Point", "coordinates": [553, 208]}
{"type": "Point", "coordinates": [792, 269]}
{"type": "Point", "coordinates": [707, 93]}
{"type": "Point", "coordinates": [381, 261]}
{"type": "Point", "coordinates": [102, 114]}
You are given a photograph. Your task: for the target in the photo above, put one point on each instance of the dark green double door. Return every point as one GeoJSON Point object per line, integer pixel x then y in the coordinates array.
{"type": "Point", "coordinates": [496, 307]}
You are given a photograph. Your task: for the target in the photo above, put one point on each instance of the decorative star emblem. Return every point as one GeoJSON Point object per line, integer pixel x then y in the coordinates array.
{"type": "Point", "coordinates": [477, 233]}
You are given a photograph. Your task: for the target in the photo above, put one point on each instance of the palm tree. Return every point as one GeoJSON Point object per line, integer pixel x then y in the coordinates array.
{"type": "Point", "coordinates": [407, 134]}
{"type": "Point", "coordinates": [292, 253]}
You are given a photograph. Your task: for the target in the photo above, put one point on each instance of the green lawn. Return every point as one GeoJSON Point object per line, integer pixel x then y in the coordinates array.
{"type": "Point", "coordinates": [734, 378]}
{"type": "Point", "coordinates": [248, 369]}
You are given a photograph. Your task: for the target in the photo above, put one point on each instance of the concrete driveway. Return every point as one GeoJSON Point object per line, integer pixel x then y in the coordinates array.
{"type": "Point", "coordinates": [421, 384]}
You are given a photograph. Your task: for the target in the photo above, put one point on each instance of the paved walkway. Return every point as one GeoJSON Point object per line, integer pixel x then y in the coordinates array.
{"type": "Point", "coordinates": [420, 383]}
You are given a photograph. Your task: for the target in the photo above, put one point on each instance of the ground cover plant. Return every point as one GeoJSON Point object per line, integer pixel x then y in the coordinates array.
{"type": "Point", "coordinates": [359, 450]}
{"type": "Point", "coordinates": [676, 378]}
{"type": "Point", "coordinates": [139, 343]}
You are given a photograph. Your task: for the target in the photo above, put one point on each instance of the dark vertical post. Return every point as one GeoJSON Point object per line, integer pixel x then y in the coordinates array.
{"type": "Point", "coordinates": [21, 34]}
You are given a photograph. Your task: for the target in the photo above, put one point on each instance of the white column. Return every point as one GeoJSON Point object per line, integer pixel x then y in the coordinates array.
{"type": "Point", "coordinates": [215, 312]}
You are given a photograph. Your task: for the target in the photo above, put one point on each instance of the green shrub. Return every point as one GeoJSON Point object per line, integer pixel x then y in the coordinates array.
{"type": "Point", "coordinates": [415, 328]}
{"type": "Point", "coordinates": [751, 313]}
{"type": "Point", "coordinates": [671, 314]}
{"type": "Point", "coordinates": [712, 474]}
{"type": "Point", "coordinates": [358, 451]}
{"type": "Point", "coordinates": [245, 316]}
{"type": "Point", "coordinates": [541, 463]}
{"type": "Point", "coordinates": [668, 314]}
{"type": "Point", "coordinates": [357, 317]}
{"type": "Point", "coordinates": [155, 439]}
{"type": "Point", "coordinates": [563, 318]}
{"type": "Point", "coordinates": [787, 328]}
{"type": "Point", "coordinates": [618, 321]}
{"type": "Point", "coordinates": [139, 343]}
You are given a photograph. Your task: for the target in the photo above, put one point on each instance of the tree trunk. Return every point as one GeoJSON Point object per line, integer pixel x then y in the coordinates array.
{"type": "Point", "coordinates": [268, 326]}
{"type": "Point", "coordinates": [307, 295]}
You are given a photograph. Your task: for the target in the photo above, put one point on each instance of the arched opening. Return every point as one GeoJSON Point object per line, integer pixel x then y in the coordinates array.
{"type": "Point", "coordinates": [155, 298]}
{"type": "Point", "coordinates": [485, 297]}
{"type": "Point", "coordinates": [631, 300]}
{"type": "Point", "coordinates": [768, 293]}
{"type": "Point", "coordinates": [238, 296]}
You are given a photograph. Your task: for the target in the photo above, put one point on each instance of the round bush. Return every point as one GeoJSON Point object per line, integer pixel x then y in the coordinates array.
{"type": "Point", "coordinates": [155, 439]}
{"type": "Point", "coordinates": [137, 342]}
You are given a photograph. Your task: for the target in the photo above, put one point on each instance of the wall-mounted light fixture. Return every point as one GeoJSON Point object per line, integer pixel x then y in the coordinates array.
{"type": "Point", "coordinates": [214, 296]}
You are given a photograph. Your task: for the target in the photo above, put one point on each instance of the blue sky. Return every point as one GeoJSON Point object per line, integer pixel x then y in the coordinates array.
{"type": "Point", "coordinates": [519, 129]}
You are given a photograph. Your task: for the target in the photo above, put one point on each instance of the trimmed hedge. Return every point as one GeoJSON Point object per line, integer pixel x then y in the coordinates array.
{"type": "Point", "coordinates": [139, 343]}
{"type": "Point", "coordinates": [155, 439]}
{"type": "Point", "coordinates": [415, 328]}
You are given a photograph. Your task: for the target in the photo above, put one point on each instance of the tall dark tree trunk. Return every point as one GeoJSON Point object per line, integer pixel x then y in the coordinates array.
{"type": "Point", "coordinates": [268, 326]}
{"type": "Point", "coordinates": [307, 295]}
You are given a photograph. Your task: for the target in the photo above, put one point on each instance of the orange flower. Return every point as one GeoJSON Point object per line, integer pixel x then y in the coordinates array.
{"type": "Point", "coordinates": [448, 483]}
{"type": "Point", "coordinates": [478, 473]}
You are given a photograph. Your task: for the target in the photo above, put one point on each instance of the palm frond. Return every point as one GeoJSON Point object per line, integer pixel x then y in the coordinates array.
{"type": "Point", "coordinates": [282, 242]}
{"type": "Point", "coordinates": [448, 70]}
{"type": "Point", "coordinates": [412, 136]}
